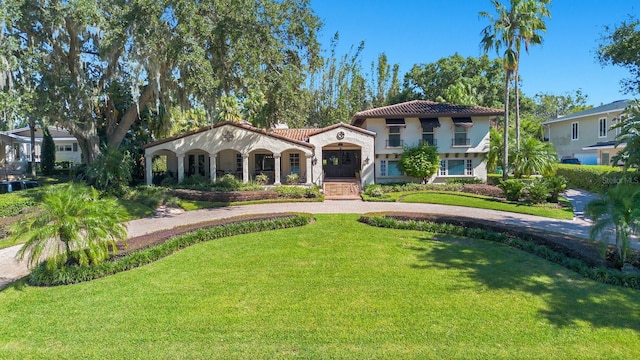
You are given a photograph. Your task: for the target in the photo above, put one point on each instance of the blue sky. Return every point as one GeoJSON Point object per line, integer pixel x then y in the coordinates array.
{"type": "Point", "coordinates": [417, 32]}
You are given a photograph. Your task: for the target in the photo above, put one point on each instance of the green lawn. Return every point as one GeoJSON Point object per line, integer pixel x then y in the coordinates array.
{"type": "Point", "coordinates": [485, 202]}
{"type": "Point", "coordinates": [332, 289]}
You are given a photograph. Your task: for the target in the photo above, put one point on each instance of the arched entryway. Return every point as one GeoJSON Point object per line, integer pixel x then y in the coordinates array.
{"type": "Point", "coordinates": [341, 161]}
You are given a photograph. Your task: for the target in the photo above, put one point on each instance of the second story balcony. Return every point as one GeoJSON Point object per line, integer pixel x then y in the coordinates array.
{"type": "Point", "coordinates": [460, 141]}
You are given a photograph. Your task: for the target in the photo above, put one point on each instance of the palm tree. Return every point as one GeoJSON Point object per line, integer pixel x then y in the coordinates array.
{"type": "Point", "coordinates": [528, 28]}
{"type": "Point", "coordinates": [534, 157]}
{"type": "Point", "coordinates": [74, 226]}
{"type": "Point", "coordinates": [508, 30]}
{"type": "Point", "coordinates": [618, 209]}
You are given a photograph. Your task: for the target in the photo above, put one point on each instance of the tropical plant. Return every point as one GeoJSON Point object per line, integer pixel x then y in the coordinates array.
{"type": "Point", "coordinates": [48, 152]}
{"type": "Point", "coordinates": [555, 184]}
{"type": "Point", "coordinates": [262, 179]}
{"type": "Point", "coordinates": [75, 226]}
{"type": "Point", "coordinates": [618, 210]}
{"type": "Point", "coordinates": [511, 28]}
{"type": "Point", "coordinates": [496, 145]}
{"type": "Point", "coordinates": [420, 161]}
{"type": "Point", "coordinates": [111, 171]}
{"type": "Point", "coordinates": [534, 157]}
{"type": "Point", "coordinates": [512, 188]}
{"type": "Point", "coordinates": [630, 136]}
{"type": "Point", "coordinates": [293, 179]}
{"type": "Point", "coordinates": [538, 191]}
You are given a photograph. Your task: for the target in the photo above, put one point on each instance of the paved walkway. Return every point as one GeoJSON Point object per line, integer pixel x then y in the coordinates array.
{"type": "Point", "coordinates": [11, 269]}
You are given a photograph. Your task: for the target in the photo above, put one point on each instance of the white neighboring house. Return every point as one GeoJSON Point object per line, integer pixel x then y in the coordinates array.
{"type": "Point", "coordinates": [587, 135]}
{"type": "Point", "coordinates": [15, 148]}
{"type": "Point", "coordinates": [366, 151]}
{"type": "Point", "coordinates": [461, 134]}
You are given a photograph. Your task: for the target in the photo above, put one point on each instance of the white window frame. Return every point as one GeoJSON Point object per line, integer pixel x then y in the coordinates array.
{"type": "Point", "coordinates": [294, 163]}
{"type": "Point", "coordinates": [602, 128]}
{"type": "Point", "coordinates": [383, 167]}
{"type": "Point", "coordinates": [575, 131]}
{"type": "Point", "coordinates": [443, 167]}
{"type": "Point", "coordinates": [469, 167]}
{"type": "Point", "coordinates": [398, 134]}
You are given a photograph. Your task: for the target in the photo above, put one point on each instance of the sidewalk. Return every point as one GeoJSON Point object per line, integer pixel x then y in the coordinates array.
{"type": "Point", "coordinates": [11, 270]}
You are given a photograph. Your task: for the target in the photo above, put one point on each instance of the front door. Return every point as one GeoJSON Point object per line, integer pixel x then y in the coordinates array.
{"type": "Point", "coordinates": [340, 163]}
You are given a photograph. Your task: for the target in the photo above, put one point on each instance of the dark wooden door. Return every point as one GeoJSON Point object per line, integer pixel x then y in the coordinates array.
{"type": "Point", "coordinates": [341, 163]}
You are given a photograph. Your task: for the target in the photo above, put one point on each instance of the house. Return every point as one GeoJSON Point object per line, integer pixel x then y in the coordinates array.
{"type": "Point", "coordinates": [15, 148]}
{"type": "Point", "coordinates": [587, 135]}
{"type": "Point", "coordinates": [461, 134]}
{"type": "Point", "coordinates": [368, 149]}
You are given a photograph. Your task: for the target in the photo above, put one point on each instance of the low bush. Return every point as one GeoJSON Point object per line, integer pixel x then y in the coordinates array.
{"type": "Point", "coordinates": [402, 187]}
{"type": "Point", "coordinates": [293, 179]}
{"type": "Point", "coordinates": [374, 190]}
{"type": "Point", "coordinates": [297, 192]}
{"type": "Point", "coordinates": [261, 179]}
{"type": "Point", "coordinates": [41, 276]}
{"type": "Point", "coordinates": [512, 188]}
{"type": "Point", "coordinates": [464, 181]}
{"type": "Point", "coordinates": [555, 185]}
{"type": "Point", "coordinates": [12, 205]}
{"type": "Point", "coordinates": [483, 189]}
{"type": "Point", "coordinates": [538, 191]}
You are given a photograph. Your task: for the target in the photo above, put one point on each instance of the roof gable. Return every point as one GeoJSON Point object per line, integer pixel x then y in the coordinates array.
{"type": "Point", "coordinates": [618, 105]}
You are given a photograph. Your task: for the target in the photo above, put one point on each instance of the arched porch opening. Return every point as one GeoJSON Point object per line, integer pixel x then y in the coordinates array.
{"type": "Point", "coordinates": [229, 161]}
{"type": "Point", "coordinates": [341, 161]}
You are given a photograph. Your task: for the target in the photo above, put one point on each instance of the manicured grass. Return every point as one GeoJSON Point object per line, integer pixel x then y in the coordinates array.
{"type": "Point", "coordinates": [485, 202]}
{"type": "Point", "coordinates": [332, 289]}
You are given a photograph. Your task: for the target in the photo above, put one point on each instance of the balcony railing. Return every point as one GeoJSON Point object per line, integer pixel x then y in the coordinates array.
{"type": "Point", "coordinates": [431, 142]}
{"type": "Point", "coordinates": [460, 142]}
{"type": "Point", "coordinates": [395, 143]}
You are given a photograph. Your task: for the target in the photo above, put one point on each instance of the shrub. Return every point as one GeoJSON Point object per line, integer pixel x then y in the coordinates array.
{"type": "Point", "coordinates": [592, 178]}
{"type": "Point", "coordinates": [482, 189]}
{"type": "Point", "coordinates": [464, 181]}
{"type": "Point", "coordinates": [227, 182]}
{"type": "Point", "coordinates": [261, 179]}
{"type": "Point", "coordinates": [293, 179]}
{"type": "Point", "coordinates": [196, 182]}
{"type": "Point", "coordinates": [555, 185]}
{"type": "Point", "coordinates": [169, 181]}
{"type": "Point", "coordinates": [374, 190]}
{"type": "Point", "coordinates": [48, 153]}
{"type": "Point", "coordinates": [538, 191]}
{"type": "Point", "coordinates": [296, 192]}
{"type": "Point", "coordinates": [512, 189]}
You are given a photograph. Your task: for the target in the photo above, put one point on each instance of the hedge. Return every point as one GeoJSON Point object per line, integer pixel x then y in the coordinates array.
{"type": "Point", "coordinates": [595, 178]}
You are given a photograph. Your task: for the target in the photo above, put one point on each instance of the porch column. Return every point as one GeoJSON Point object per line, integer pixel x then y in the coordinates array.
{"type": "Point", "coordinates": [245, 168]}
{"type": "Point", "coordinates": [148, 169]}
{"type": "Point", "coordinates": [213, 166]}
{"type": "Point", "coordinates": [308, 172]}
{"type": "Point", "coordinates": [180, 168]}
{"type": "Point", "coordinates": [276, 175]}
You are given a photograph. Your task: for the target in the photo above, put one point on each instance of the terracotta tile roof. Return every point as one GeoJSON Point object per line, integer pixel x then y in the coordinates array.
{"type": "Point", "coordinates": [295, 134]}
{"type": "Point", "coordinates": [420, 108]}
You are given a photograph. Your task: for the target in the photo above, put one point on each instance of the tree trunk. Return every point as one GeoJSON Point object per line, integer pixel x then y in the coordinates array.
{"type": "Point", "coordinates": [32, 132]}
{"type": "Point", "coordinates": [505, 150]}
{"type": "Point", "coordinates": [115, 138]}
{"type": "Point", "coordinates": [517, 109]}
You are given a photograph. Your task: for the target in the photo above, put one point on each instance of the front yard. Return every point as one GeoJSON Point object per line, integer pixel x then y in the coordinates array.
{"type": "Point", "coordinates": [333, 289]}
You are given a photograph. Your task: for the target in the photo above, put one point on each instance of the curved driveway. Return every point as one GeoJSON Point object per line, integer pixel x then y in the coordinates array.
{"type": "Point", "coordinates": [11, 269]}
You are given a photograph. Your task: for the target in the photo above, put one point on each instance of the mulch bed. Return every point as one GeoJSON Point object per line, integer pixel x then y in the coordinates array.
{"type": "Point", "coordinates": [571, 246]}
{"type": "Point", "coordinates": [159, 237]}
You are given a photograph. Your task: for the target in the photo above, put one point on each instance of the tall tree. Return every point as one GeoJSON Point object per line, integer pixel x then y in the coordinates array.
{"type": "Point", "coordinates": [338, 88]}
{"type": "Point", "coordinates": [480, 78]}
{"type": "Point", "coordinates": [509, 30]}
{"type": "Point", "coordinates": [620, 47]}
{"type": "Point", "coordinates": [170, 52]}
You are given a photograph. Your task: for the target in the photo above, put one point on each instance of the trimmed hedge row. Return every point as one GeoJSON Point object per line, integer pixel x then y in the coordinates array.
{"type": "Point", "coordinates": [598, 273]}
{"type": "Point", "coordinates": [594, 178]}
{"type": "Point", "coordinates": [41, 276]}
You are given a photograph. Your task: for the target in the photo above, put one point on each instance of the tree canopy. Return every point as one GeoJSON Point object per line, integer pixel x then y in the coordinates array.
{"type": "Point", "coordinates": [619, 46]}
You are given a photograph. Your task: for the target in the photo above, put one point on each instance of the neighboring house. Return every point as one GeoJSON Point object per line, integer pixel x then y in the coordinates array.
{"type": "Point", "coordinates": [461, 134]}
{"type": "Point", "coordinates": [587, 135]}
{"type": "Point", "coordinates": [367, 150]}
{"type": "Point", "coordinates": [15, 148]}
